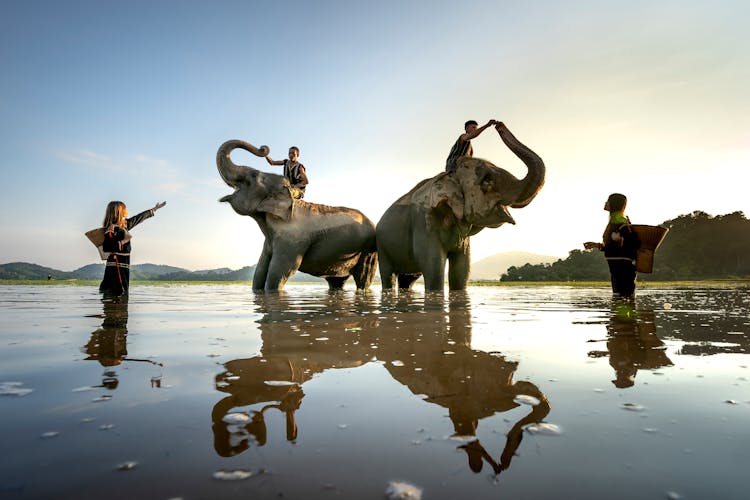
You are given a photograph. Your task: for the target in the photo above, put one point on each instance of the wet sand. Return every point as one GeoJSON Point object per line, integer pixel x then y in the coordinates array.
{"type": "Point", "coordinates": [207, 391]}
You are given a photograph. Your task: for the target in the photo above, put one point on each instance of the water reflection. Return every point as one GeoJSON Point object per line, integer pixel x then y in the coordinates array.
{"type": "Point", "coordinates": [108, 344]}
{"type": "Point", "coordinates": [424, 342]}
{"type": "Point", "coordinates": [632, 343]}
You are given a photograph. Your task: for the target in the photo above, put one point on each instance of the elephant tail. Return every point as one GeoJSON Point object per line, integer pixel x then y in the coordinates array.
{"type": "Point", "coordinates": [364, 270]}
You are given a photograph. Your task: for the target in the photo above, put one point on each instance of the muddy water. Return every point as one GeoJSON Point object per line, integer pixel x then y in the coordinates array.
{"type": "Point", "coordinates": [211, 392]}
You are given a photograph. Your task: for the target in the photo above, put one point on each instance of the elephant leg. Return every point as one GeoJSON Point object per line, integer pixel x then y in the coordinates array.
{"type": "Point", "coordinates": [281, 268]}
{"type": "Point", "coordinates": [405, 281]}
{"type": "Point", "coordinates": [261, 270]}
{"type": "Point", "coordinates": [364, 270]}
{"type": "Point", "coordinates": [336, 282]}
{"type": "Point", "coordinates": [387, 274]}
{"type": "Point", "coordinates": [459, 268]}
{"type": "Point", "coordinates": [431, 256]}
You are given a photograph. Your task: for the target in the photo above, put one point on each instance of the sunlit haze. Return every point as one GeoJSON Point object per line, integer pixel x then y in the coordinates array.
{"type": "Point", "coordinates": [130, 100]}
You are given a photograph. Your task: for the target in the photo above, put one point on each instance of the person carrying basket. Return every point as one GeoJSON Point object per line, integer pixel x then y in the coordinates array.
{"type": "Point", "coordinates": [620, 245]}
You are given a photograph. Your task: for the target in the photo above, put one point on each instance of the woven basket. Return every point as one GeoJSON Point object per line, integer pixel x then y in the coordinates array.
{"type": "Point", "coordinates": [650, 238]}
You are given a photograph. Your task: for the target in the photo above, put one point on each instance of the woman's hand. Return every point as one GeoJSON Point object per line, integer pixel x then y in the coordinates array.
{"type": "Point", "coordinates": [159, 205]}
{"type": "Point", "coordinates": [589, 245]}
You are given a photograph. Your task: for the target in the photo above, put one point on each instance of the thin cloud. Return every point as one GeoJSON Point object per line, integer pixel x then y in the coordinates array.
{"type": "Point", "coordinates": [136, 164]}
{"type": "Point", "coordinates": [87, 158]}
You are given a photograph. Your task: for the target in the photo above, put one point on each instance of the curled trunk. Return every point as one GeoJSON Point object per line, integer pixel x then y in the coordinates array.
{"type": "Point", "coordinates": [230, 172]}
{"type": "Point", "coordinates": [529, 186]}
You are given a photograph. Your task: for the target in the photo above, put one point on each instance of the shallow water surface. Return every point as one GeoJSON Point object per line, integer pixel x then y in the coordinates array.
{"type": "Point", "coordinates": [209, 391]}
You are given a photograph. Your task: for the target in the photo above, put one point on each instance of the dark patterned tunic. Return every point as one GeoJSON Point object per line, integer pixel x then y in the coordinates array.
{"type": "Point", "coordinates": [117, 271]}
{"type": "Point", "coordinates": [621, 255]}
{"type": "Point", "coordinates": [295, 178]}
{"type": "Point", "coordinates": [459, 149]}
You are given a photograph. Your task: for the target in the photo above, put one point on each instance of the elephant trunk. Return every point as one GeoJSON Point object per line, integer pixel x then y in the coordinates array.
{"type": "Point", "coordinates": [529, 186]}
{"type": "Point", "coordinates": [230, 172]}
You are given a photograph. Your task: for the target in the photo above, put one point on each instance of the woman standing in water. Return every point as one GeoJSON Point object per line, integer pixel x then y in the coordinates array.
{"type": "Point", "coordinates": [620, 246]}
{"type": "Point", "coordinates": [117, 243]}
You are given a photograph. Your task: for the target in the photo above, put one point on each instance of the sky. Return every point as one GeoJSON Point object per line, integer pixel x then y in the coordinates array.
{"type": "Point", "coordinates": [129, 101]}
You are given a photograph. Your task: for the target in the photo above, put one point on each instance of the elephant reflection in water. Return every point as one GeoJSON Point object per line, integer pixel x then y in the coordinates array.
{"type": "Point", "coordinates": [470, 384]}
{"type": "Point", "coordinates": [632, 343]}
{"type": "Point", "coordinates": [108, 343]}
{"type": "Point", "coordinates": [287, 360]}
{"type": "Point", "coordinates": [423, 346]}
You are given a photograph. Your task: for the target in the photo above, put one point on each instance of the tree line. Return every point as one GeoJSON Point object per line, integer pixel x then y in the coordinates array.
{"type": "Point", "coordinates": [698, 246]}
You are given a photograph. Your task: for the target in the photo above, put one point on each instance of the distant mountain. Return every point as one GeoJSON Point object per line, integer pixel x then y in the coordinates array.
{"type": "Point", "coordinates": [492, 267]}
{"type": "Point", "coordinates": [156, 272]}
{"type": "Point", "coordinates": [27, 271]}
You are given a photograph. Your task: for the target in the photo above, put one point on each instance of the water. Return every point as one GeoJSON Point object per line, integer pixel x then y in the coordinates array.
{"type": "Point", "coordinates": [206, 391]}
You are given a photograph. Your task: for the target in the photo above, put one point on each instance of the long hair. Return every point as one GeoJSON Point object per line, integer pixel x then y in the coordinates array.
{"type": "Point", "coordinates": [115, 214]}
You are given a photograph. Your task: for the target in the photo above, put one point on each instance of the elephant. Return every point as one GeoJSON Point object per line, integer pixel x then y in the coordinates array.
{"type": "Point", "coordinates": [329, 242]}
{"type": "Point", "coordinates": [432, 223]}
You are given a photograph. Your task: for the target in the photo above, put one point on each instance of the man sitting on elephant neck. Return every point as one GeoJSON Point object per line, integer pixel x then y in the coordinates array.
{"type": "Point", "coordinates": [294, 171]}
{"type": "Point", "coordinates": [462, 146]}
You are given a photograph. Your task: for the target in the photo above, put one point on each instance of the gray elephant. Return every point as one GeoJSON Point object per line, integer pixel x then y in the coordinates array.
{"type": "Point", "coordinates": [432, 223]}
{"type": "Point", "coordinates": [330, 242]}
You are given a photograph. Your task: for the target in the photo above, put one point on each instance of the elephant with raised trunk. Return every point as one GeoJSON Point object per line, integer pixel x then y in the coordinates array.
{"type": "Point", "coordinates": [330, 242]}
{"type": "Point", "coordinates": [432, 223]}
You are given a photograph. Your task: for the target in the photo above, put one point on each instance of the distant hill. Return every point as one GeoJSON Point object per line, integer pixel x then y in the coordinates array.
{"type": "Point", "coordinates": [27, 271]}
{"type": "Point", "coordinates": [155, 272]}
{"type": "Point", "coordinates": [494, 266]}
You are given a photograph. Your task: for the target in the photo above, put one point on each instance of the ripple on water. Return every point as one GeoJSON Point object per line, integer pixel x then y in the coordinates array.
{"type": "Point", "coordinates": [83, 388]}
{"type": "Point", "coordinates": [632, 407]}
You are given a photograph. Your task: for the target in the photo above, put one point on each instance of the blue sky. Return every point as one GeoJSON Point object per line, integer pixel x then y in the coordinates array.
{"type": "Point", "coordinates": [130, 100]}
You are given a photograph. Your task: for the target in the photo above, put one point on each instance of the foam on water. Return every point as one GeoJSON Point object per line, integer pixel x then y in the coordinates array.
{"type": "Point", "coordinates": [14, 389]}
{"type": "Point", "coordinates": [523, 399]}
{"type": "Point", "coordinates": [236, 418]}
{"type": "Point", "coordinates": [232, 475]}
{"type": "Point", "coordinates": [544, 429]}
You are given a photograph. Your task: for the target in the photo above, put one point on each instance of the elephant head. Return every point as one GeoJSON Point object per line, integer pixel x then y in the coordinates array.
{"type": "Point", "coordinates": [255, 192]}
{"type": "Point", "coordinates": [479, 194]}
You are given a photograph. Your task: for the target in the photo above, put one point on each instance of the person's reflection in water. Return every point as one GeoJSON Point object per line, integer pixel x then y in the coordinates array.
{"type": "Point", "coordinates": [108, 344]}
{"type": "Point", "coordinates": [632, 343]}
{"type": "Point", "coordinates": [471, 384]}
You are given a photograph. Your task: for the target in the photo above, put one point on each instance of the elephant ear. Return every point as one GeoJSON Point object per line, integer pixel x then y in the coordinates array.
{"type": "Point", "coordinates": [279, 204]}
{"type": "Point", "coordinates": [447, 192]}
